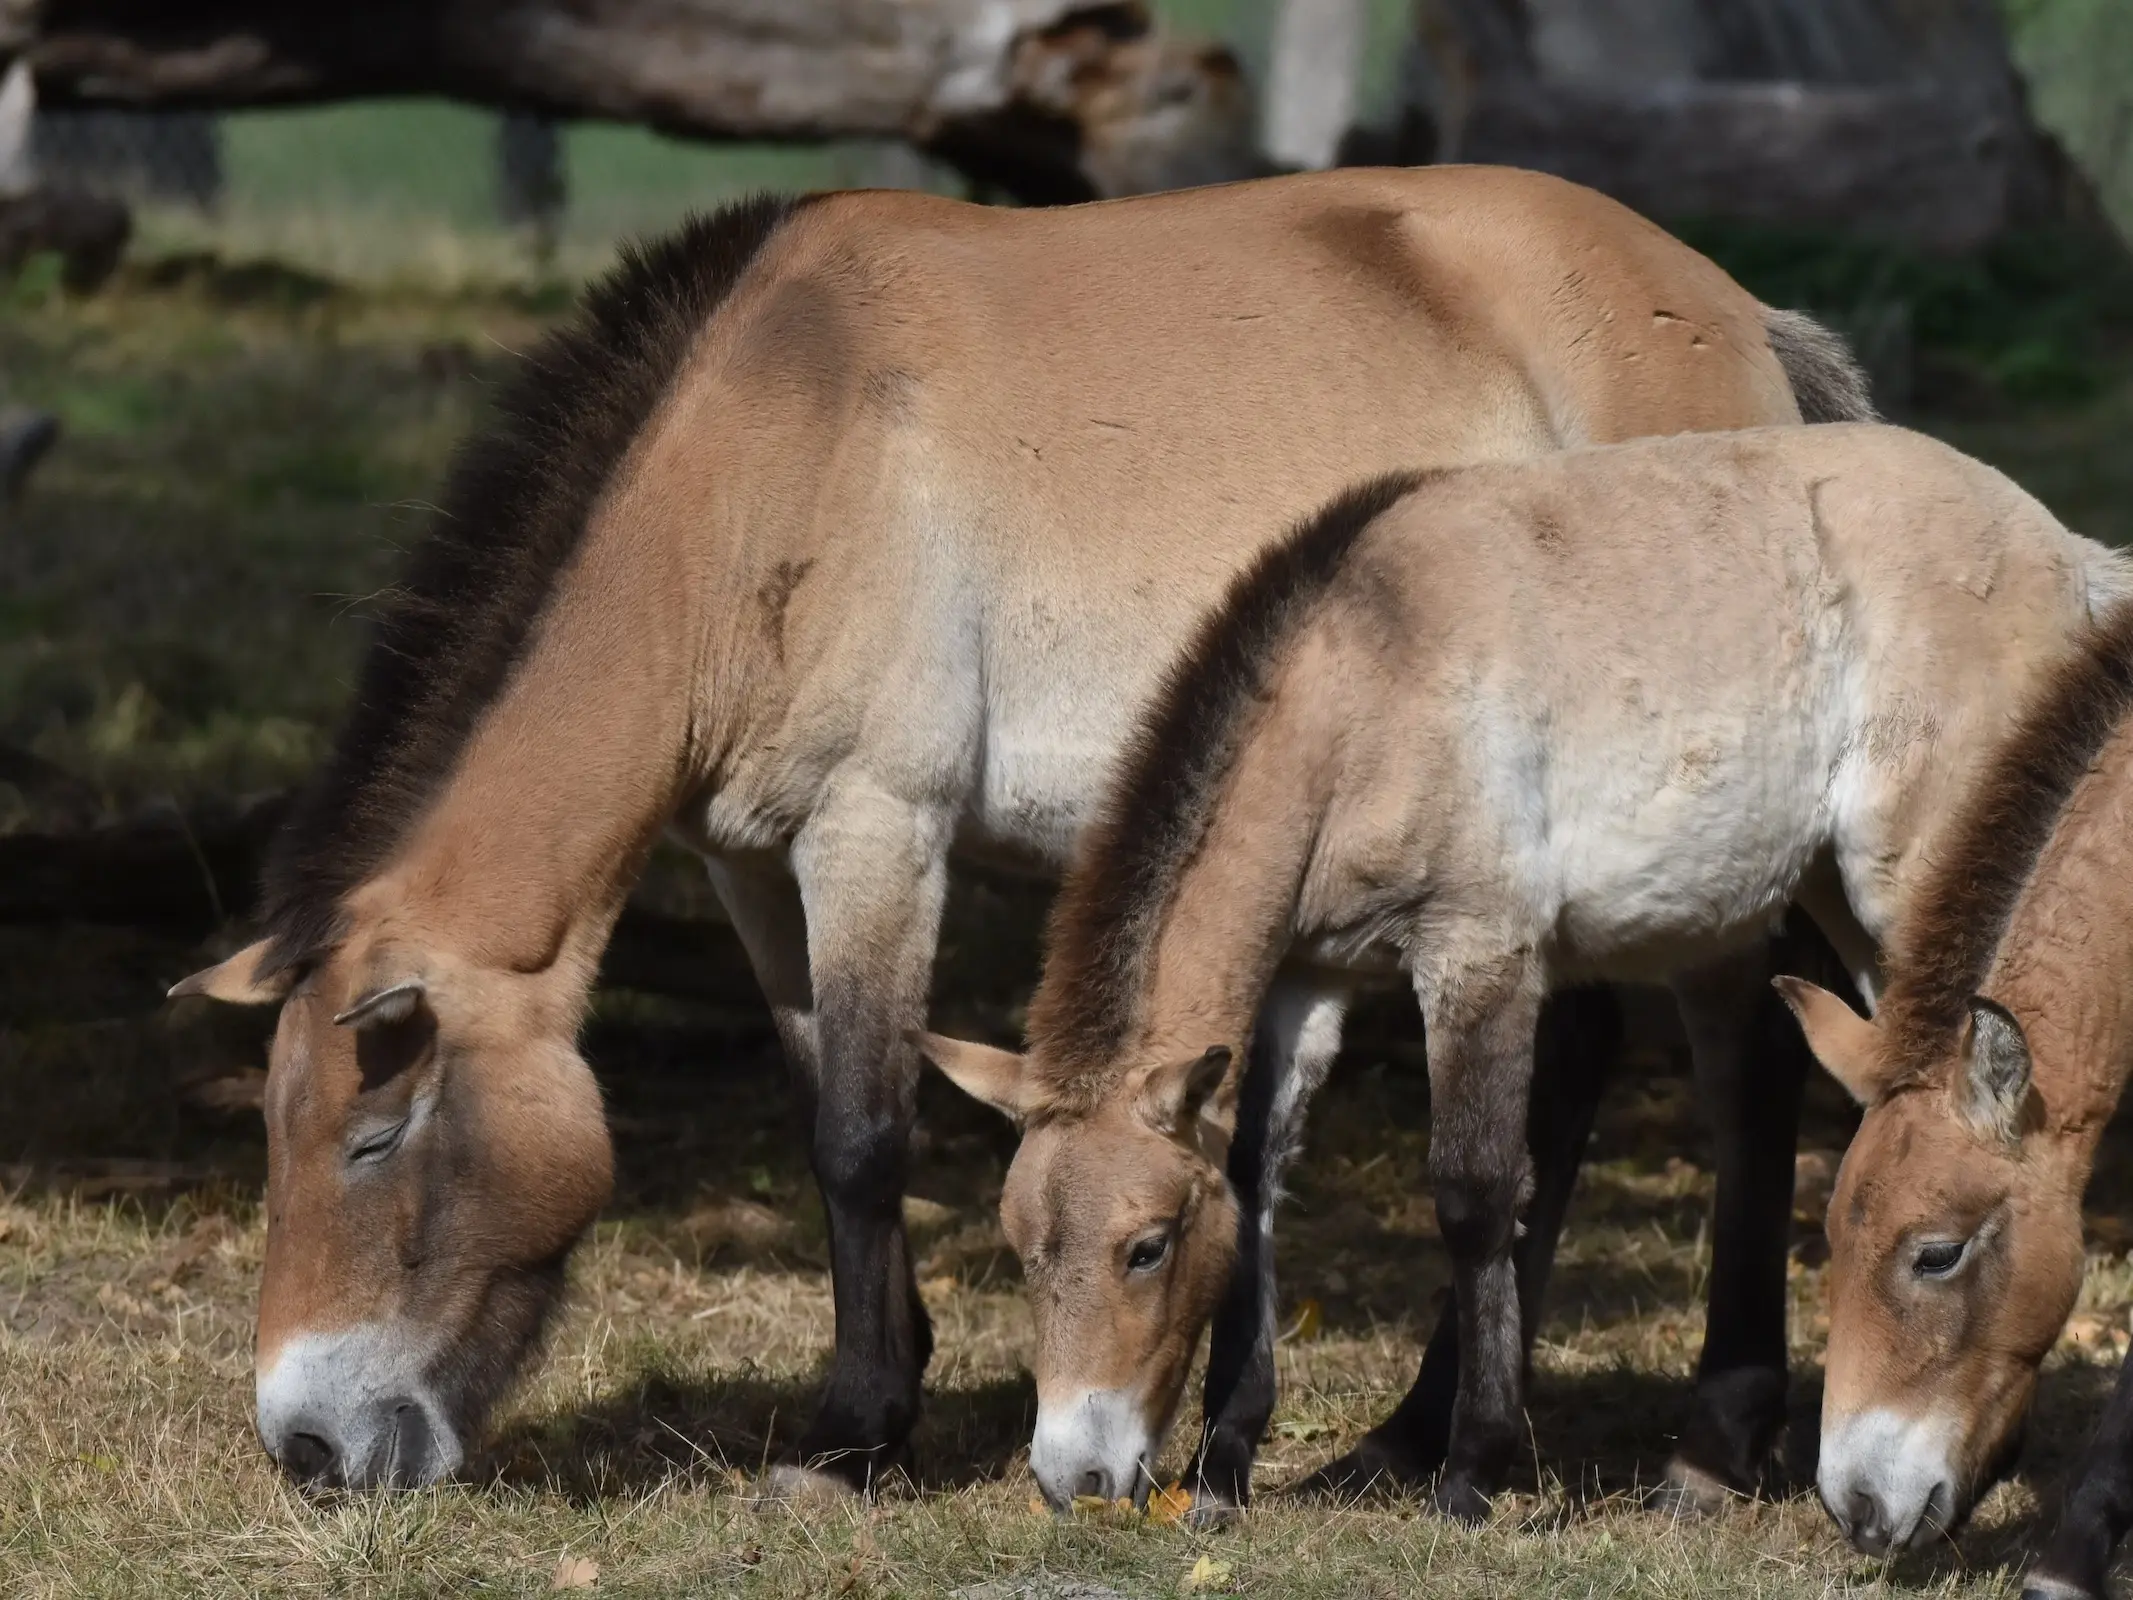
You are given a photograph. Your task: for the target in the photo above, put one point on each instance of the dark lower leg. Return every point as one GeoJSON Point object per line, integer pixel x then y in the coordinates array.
{"type": "Point", "coordinates": [1482, 1019]}
{"type": "Point", "coordinates": [1291, 1052]}
{"type": "Point", "coordinates": [884, 1339]}
{"type": "Point", "coordinates": [2097, 1513]}
{"type": "Point", "coordinates": [1751, 1069]}
{"type": "Point", "coordinates": [1575, 1047]}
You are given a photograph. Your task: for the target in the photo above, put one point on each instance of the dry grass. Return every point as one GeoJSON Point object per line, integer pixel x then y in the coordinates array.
{"type": "Point", "coordinates": [701, 1314]}
{"type": "Point", "coordinates": [243, 453]}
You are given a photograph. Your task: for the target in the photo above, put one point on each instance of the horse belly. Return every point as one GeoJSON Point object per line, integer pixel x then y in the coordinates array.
{"type": "Point", "coordinates": [1669, 855]}
{"type": "Point", "coordinates": [1050, 742]}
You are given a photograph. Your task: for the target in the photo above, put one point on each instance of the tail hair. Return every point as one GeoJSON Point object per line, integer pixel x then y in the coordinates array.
{"type": "Point", "coordinates": [1826, 377]}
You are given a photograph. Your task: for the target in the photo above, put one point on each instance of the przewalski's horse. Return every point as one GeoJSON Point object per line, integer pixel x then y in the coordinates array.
{"type": "Point", "coordinates": [2001, 1048]}
{"type": "Point", "coordinates": [1596, 715]}
{"type": "Point", "coordinates": [839, 535]}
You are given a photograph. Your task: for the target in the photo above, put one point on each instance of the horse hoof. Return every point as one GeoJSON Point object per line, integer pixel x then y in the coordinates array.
{"type": "Point", "coordinates": [1688, 1490]}
{"type": "Point", "coordinates": [2043, 1586]}
{"type": "Point", "coordinates": [789, 1483]}
{"type": "Point", "coordinates": [1211, 1513]}
{"type": "Point", "coordinates": [1457, 1497]}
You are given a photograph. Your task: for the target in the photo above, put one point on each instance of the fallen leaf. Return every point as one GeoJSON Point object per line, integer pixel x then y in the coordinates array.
{"type": "Point", "coordinates": [1037, 1506]}
{"type": "Point", "coordinates": [1814, 1175]}
{"type": "Point", "coordinates": [1310, 1319]}
{"type": "Point", "coordinates": [745, 1225]}
{"type": "Point", "coordinates": [2088, 1330]}
{"type": "Point", "coordinates": [198, 1243]}
{"type": "Point", "coordinates": [922, 1215]}
{"type": "Point", "coordinates": [1207, 1575]}
{"type": "Point", "coordinates": [1089, 1504]}
{"type": "Point", "coordinates": [575, 1572]}
{"type": "Point", "coordinates": [1169, 1505]}
{"type": "Point", "coordinates": [243, 1090]}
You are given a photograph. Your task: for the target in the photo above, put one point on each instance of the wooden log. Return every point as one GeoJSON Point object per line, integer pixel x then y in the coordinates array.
{"type": "Point", "coordinates": [186, 876]}
{"type": "Point", "coordinates": [1907, 162]}
{"type": "Point", "coordinates": [1050, 99]}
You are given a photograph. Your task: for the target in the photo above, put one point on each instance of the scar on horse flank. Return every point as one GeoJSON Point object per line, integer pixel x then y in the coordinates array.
{"type": "Point", "coordinates": [1993, 846]}
{"type": "Point", "coordinates": [1104, 924]}
{"type": "Point", "coordinates": [775, 597]}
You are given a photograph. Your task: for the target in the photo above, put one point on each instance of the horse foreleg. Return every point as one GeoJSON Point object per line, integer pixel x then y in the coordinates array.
{"type": "Point", "coordinates": [2076, 1565]}
{"type": "Point", "coordinates": [1298, 1036]}
{"type": "Point", "coordinates": [1751, 1068]}
{"type": "Point", "coordinates": [871, 874]}
{"type": "Point", "coordinates": [1481, 1017]}
{"type": "Point", "coordinates": [1575, 1046]}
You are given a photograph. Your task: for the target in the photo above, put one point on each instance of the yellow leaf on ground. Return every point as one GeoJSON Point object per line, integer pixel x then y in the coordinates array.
{"type": "Point", "coordinates": [1088, 1504]}
{"type": "Point", "coordinates": [1037, 1506]}
{"type": "Point", "coordinates": [1310, 1320]}
{"type": "Point", "coordinates": [1168, 1505]}
{"type": "Point", "coordinates": [1207, 1575]}
{"type": "Point", "coordinates": [575, 1572]}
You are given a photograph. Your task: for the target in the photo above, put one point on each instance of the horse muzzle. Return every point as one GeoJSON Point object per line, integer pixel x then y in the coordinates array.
{"type": "Point", "coordinates": [348, 1410]}
{"type": "Point", "coordinates": [1094, 1444]}
{"type": "Point", "coordinates": [1889, 1481]}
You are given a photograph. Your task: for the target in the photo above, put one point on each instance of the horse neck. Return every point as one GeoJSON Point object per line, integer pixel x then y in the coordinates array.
{"type": "Point", "coordinates": [1226, 914]}
{"type": "Point", "coordinates": [2065, 963]}
{"type": "Point", "coordinates": [527, 853]}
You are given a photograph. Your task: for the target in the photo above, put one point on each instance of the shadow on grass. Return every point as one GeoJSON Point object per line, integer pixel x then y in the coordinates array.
{"type": "Point", "coordinates": [729, 1429]}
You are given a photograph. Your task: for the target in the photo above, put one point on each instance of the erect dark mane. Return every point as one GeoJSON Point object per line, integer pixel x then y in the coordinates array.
{"type": "Point", "coordinates": [516, 503]}
{"type": "Point", "coordinates": [1104, 923]}
{"type": "Point", "coordinates": [1944, 947]}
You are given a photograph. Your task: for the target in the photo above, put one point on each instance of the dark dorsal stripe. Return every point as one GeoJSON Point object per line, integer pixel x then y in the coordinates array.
{"type": "Point", "coordinates": [1944, 947]}
{"type": "Point", "coordinates": [516, 504]}
{"type": "Point", "coordinates": [1104, 924]}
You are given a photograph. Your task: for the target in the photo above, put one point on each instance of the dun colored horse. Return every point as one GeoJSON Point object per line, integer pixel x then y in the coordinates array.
{"type": "Point", "coordinates": [1597, 715]}
{"type": "Point", "coordinates": [838, 536]}
{"type": "Point", "coordinates": [2002, 1046]}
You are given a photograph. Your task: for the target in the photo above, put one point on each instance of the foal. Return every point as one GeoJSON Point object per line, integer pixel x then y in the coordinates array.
{"type": "Point", "coordinates": [1597, 715]}
{"type": "Point", "coordinates": [2003, 1045]}
{"type": "Point", "coordinates": [839, 536]}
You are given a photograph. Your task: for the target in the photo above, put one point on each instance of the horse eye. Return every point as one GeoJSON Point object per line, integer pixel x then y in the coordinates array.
{"type": "Point", "coordinates": [1939, 1259]}
{"type": "Point", "coordinates": [379, 1144]}
{"type": "Point", "coordinates": [1148, 1254]}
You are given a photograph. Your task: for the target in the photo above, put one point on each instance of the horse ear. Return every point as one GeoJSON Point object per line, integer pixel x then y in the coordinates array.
{"type": "Point", "coordinates": [1176, 1096]}
{"type": "Point", "coordinates": [1846, 1044]}
{"type": "Point", "coordinates": [1996, 1070]}
{"type": "Point", "coordinates": [994, 1077]}
{"type": "Point", "coordinates": [239, 980]}
{"type": "Point", "coordinates": [389, 1003]}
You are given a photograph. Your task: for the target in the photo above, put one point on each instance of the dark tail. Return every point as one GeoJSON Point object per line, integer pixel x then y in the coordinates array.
{"type": "Point", "coordinates": [1827, 381]}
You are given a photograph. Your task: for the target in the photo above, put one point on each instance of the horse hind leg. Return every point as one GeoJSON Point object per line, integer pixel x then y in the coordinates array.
{"type": "Point", "coordinates": [1751, 1069]}
{"type": "Point", "coordinates": [1293, 1048]}
{"type": "Point", "coordinates": [1577, 1043]}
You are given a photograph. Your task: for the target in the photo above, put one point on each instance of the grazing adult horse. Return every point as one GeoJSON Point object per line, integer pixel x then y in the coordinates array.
{"type": "Point", "coordinates": [2000, 1051]}
{"type": "Point", "coordinates": [838, 535]}
{"type": "Point", "coordinates": [1602, 714]}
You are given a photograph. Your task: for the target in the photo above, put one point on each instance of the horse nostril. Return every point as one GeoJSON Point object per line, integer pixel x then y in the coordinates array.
{"type": "Point", "coordinates": [1867, 1529]}
{"type": "Point", "coordinates": [1094, 1482]}
{"type": "Point", "coordinates": [408, 1465]}
{"type": "Point", "coordinates": [307, 1458]}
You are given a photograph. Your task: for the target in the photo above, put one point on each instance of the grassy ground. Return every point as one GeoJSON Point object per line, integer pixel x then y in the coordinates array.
{"type": "Point", "coordinates": [248, 449]}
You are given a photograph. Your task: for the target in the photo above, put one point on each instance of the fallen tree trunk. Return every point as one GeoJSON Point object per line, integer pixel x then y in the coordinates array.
{"type": "Point", "coordinates": [184, 877]}
{"type": "Point", "coordinates": [187, 876]}
{"type": "Point", "coordinates": [1908, 162]}
{"type": "Point", "coordinates": [1050, 99]}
